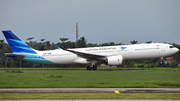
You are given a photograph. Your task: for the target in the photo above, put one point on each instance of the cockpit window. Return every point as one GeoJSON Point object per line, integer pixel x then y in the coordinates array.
{"type": "Point", "coordinates": [171, 46]}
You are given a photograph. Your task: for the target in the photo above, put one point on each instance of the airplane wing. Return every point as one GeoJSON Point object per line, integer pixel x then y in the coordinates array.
{"type": "Point", "coordinates": [89, 56]}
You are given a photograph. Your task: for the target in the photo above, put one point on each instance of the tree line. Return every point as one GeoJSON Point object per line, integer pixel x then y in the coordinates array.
{"type": "Point", "coordinates": [81, 43]}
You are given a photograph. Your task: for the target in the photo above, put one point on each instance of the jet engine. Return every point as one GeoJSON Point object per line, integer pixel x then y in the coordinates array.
{"type": "Point", "coordinates": [114, 60]}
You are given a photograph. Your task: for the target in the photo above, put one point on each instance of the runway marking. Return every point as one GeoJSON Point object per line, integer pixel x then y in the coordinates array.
{"type": "Point", "coordinates": [116, 91]}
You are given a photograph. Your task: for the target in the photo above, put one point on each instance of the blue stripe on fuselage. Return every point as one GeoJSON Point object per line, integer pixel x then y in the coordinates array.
{"type": "Point", "coordinates": [37, 59]}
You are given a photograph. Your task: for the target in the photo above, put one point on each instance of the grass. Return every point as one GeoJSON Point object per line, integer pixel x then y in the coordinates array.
{"type": "Point", "coordinates": [90, 96]}
{"type": "Point", "coordinates": [45, 68]}
{"type": "Point", "coordinates": [102, 78]}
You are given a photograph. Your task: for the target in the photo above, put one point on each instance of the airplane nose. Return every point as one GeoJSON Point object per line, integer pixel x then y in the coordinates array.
{"type": "Point", "coordinates": [177, 49]}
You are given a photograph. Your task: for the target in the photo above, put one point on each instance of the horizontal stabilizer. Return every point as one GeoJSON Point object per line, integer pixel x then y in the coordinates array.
{"type": "Point", "coordinates": [21, 56]}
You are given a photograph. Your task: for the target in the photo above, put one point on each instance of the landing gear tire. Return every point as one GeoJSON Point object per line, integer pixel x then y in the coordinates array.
{"type": "Point", "coordinates": [94, 67]}
{"type": "Point", "coordinates": [88, 68]}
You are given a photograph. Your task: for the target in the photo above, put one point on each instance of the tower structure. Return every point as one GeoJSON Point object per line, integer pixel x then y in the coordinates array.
{"type": "Point", "coordinates": [77, 32]}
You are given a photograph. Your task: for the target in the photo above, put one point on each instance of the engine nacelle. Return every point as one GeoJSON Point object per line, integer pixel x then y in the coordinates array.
{"type": "Point", "coordinates": [115, 60]}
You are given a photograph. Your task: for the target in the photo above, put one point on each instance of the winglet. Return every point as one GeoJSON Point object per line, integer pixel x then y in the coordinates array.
{"type": "Point", "coordinates": [60, 48]}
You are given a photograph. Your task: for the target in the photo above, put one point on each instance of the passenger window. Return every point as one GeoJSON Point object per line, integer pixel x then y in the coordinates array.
{"type": "Point", "coordinates": [171, 46]}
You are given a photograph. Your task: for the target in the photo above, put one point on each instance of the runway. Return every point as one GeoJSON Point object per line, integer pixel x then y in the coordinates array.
{"type": "Point", "coordinates": [93, 100]}
{"type": "Point", "coordinates": [89, 90]}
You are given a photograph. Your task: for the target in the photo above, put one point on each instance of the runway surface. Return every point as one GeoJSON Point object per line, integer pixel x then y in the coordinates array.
{"type": "Point", "coordinates": [89, 90]}
{"type": "Point", "coordinates": [94, 100]}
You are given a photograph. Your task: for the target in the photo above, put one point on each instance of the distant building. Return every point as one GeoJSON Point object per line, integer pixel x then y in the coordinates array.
{"type": "Point", "coordinates": [168, 60]}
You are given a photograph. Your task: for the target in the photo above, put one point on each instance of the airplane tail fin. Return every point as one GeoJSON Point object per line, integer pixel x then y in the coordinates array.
{"type": "Point", "coordinates": [16, 44]}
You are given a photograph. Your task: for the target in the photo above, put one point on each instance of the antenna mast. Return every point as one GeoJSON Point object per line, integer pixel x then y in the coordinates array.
{"type": "Point", "coordinates": [77, 32]}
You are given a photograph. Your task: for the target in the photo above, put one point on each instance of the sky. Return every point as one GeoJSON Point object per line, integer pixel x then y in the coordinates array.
{"type": "Point", "coordinates": [99, 21]}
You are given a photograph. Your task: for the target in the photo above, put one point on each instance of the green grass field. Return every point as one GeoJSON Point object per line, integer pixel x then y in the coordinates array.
{"type": "Point", "coordinates": [81, 78]}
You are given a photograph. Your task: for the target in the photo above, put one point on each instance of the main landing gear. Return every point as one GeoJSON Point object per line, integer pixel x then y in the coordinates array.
{"type": "Point", "coordinates": [93, 66]}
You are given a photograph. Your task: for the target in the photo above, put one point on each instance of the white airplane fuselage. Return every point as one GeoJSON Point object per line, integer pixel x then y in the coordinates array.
{"type": "Point", "coordinates": [129, 52]}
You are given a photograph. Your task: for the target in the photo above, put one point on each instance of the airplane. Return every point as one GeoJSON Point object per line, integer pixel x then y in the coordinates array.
{"type": "Point", "coordinates": [111, 55]}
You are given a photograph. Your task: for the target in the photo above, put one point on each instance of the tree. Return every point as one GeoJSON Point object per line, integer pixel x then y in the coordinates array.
{"type": "Point", "coordinates": [7, 49]}
{"type": "Point", "coordinates": [148, 41]}
{"type": "Point", "coordinates": [177, 55]}
{"type": "Point", "coordinates": [173, 64]}
{"type": "Point", "coordinates": [53, 46]}
{"type": "Point", "coordinates": [148, 61]}
{"type": "Point", "coordinates": [64, 39]}
{"type": "Point", "coordinates": [105, 44]}
{"type": "Point", "coordinates": [30, 38]}
{"type": "Point", "coordinates": [134, 42]}
{"type": "Point", "coordinates": [120, 43]}
{"type": "Point", "coordinates": [81, 43]}
{"type": "Point", "coordinates": [42, 39]}
{"type": "Point", "coordinates": [92, 45]}
{"type": "Point", "coordinates": [112, 43]}
{"type": "Point", "coordinates": [128, 63]}
{"type": "Point", "coordinates": [64, 44]}
{"type": "Point", "coordinates": [70, 44]}
{"type": "Point", "coordinates": [31, 43]}
{"type": "Point", "coordinates": [41, 48]}
{"type": "Point", "coordinates": [42, 45]}
{"type": "Point", "coordinates": [48, 45]}
{"type": "Point", "coordinates": [2, 52]}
